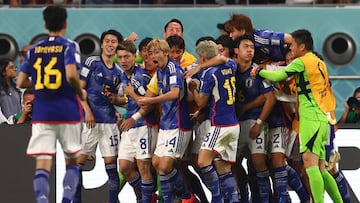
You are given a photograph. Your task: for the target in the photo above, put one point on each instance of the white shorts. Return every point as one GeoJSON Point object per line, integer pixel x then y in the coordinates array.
{"type": "Point", "coordinates": [172, 143]}
{"type": "Point", "coordinates": [277, 139]}
{"type": "Point", "coordinates": [223, 140]}
{"type": "Point", "coordinates": [44, 137]}
{"type": "Point", "coordinates": [200, 132]}
{"type": "Point", "coordinates": [107, 135]}
{"type": "Point", "coordinates": [255, 146]}
{"type": "Point", "coordinates": [138, 143]}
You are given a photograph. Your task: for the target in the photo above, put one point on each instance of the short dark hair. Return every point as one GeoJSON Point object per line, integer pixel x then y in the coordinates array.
{"type": "Point", "coordinates": [238, 40]}
{"type": "Point", "coordinates": [144, 42]}
{"type": "Point", "coordinates": [127, 45]}
{"type": "Point", "coordinates": [208, 38]}
{"type": "Point", "coordinates": [303, 36]}
{"type": "Point", "coordinates": [112, 32]}
{"type": "Point", "coordinates": [176, 40]}
{"type": "Point", "coordinates": [174, 20]}
{"type": "Point", "coordinates": [55, 17]}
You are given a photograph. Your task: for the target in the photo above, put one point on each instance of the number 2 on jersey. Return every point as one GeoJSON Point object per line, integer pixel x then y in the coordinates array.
{"type": "Point", "coordinates": [44, 81]}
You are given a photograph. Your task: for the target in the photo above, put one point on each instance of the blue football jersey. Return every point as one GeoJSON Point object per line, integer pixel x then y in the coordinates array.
{"type": "Point", "coordinates": [218, 83]}
{"type": "Point", "coordinates": [175, 113]}
{"type": "Point", "coordinates": [278, 117]}
{"type": "Point", "coordinates": [269, 45]}
{"type": "Point", "coordinates": [99, 78]}
{"type": "Point", "coordinates": [248, 90]}
{"type": "Point", "coordinates": [139, 80]}
{"type": "Point", "coordinates": [55, 100]}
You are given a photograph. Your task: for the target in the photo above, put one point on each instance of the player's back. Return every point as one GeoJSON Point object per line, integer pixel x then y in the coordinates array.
{"type": "Point", "coordinates": [55, 100]}
{"type": "Point", "coordinates": [219, 83]}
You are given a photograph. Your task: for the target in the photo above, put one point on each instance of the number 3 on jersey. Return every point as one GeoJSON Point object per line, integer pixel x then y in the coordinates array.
{"type": "Point", "coordinates": [44, 80]}
{"type": "Point", "coordinates": [229, 85]}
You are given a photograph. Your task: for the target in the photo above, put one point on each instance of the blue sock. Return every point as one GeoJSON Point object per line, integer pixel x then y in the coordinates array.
{"type": "Point", "coordinates": [211, 180]}
{"type": "Point", "coordinates": [167, 186]}
{"type": "Point", "coordinates": [180, 186]}
{"type": "Point", "coordinates": [77, 197]}
{"type": "Point", "coordinates": [295, 183]}
{"type": "Point", "coordinates": [70, 183]}
{"type": "Point", "coordinates": [281, 182]}
{"type": "Point", "coordinates": [147, 189]}
{"type": "Point", "coordinates": [136, 184]}
{"type": "Point", "coordinates": [41, 185]}
{"type": "Point", "coordinates": [263, 182]}
{"type": "Point", "coordinates": [255, 194]}
{"type": "Point", "coordinates": [113, 183]}
{"type": "Point", "coordinates": [229, 187]}
{"type": "Point", "coordinates": [342, 185]}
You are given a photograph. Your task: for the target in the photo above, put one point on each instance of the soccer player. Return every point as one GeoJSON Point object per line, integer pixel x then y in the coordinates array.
{"type": "Point", "coordinates": [168, 89]}
{"type": "Point", "coordinates": [255, 101]}
{"type": "Point", "coordinates": [316, 102]}
{"type": "Point", "coordinates": [139, 134]}
{"type": "Point", "coordinates": [220, 143]}
{"type": "Point", "coordinates": [52, 65]}
{"type": "Point", "coordinates": [99, 77]}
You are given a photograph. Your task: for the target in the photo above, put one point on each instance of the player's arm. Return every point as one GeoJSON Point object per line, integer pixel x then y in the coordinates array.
{"type": "Point", "coordinates": [266, 110]}
{"type": "Point", "coordinates": [73, 78]}
{"type": "Point", "coordinates": [23, 80]}
{"type": "Point", "coordinates": [200, 98]}
{"type": "Point", "coordinates": [217, 60]}
{"type": "Point", "coordinates": [89, 116]}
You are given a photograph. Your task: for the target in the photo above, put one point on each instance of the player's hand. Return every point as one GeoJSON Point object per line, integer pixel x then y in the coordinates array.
{"type": "Point", "coordinates": [255, 72]}
{"type": "Point", "coordinates": [143, 101]}
{"type": "Point", "coordinates": [193, 86]}
{"type": "Point", "coordinates": [90, 120]}
{"type": "Point", "coordinates": [191, 72]}
{"type": "Point", "coordinates": [132, 37]}
{"type": "Point", "coordinates": [127, 124]}
{"type": "Point", "coordinates": [255, 131]}
{"type": "Point", "coordinates": [129, 90]}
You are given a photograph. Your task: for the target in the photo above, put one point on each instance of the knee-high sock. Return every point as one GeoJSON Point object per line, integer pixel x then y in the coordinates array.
{"type": "Point", "coordinates": [180, 186]}
{"type": "Point", "coordinates": [77, 197]}
{"type": "Point", "coordinates": [136, 184]}
{"type": "Point", "coordinates": [316, 183]}
{"type": "Point", "coordinates": [263, 182]}
{"type": "Point", "coordinates": [295, 183]}
{"type": "Point", "coordinates": [342, 185]}
{"type": "Point", "coordinates": [211, 180]}
{"type": "Point", "coordinates": [331, 187]}
{"type": "Point", "coordinates": [229, 187]}
{"type": "Point", "coordinates": [281, 181]}
{"type": "Point", "coordinates": [147, 189]}
{"type": "Point", "coordinates": [41, 186]}
{"type": "Point", "coordinates": [113, 184]}
{"type": "Point", "coordinates": [70, 183]}
{"type": "Point", "coordinates": [167, 186]}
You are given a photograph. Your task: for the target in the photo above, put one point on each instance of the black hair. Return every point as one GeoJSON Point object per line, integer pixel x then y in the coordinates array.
{"type": "Point", "coordinates": [209, 38]}
{"type": "Point", "coordinates": [55, 17]}
{"type": "Point", "coordinates": [226, 41]}
{"type": "Point", "coordinates": [112, 32]}
{"type": "Point", "coordinates": [3, 84]}
{"type": "Point", "coordinates": [174, 20]}
{"type": "Point", "coordinates": [176, 40]}
{"type": "Point", "coordinates": [357, 90]}
{"type": "Point", "coordinates": [238, 40]}
{"type": "Point", "coordinates": [303, 36]}
{"type": "Point", "coordinates": [144, 42]}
